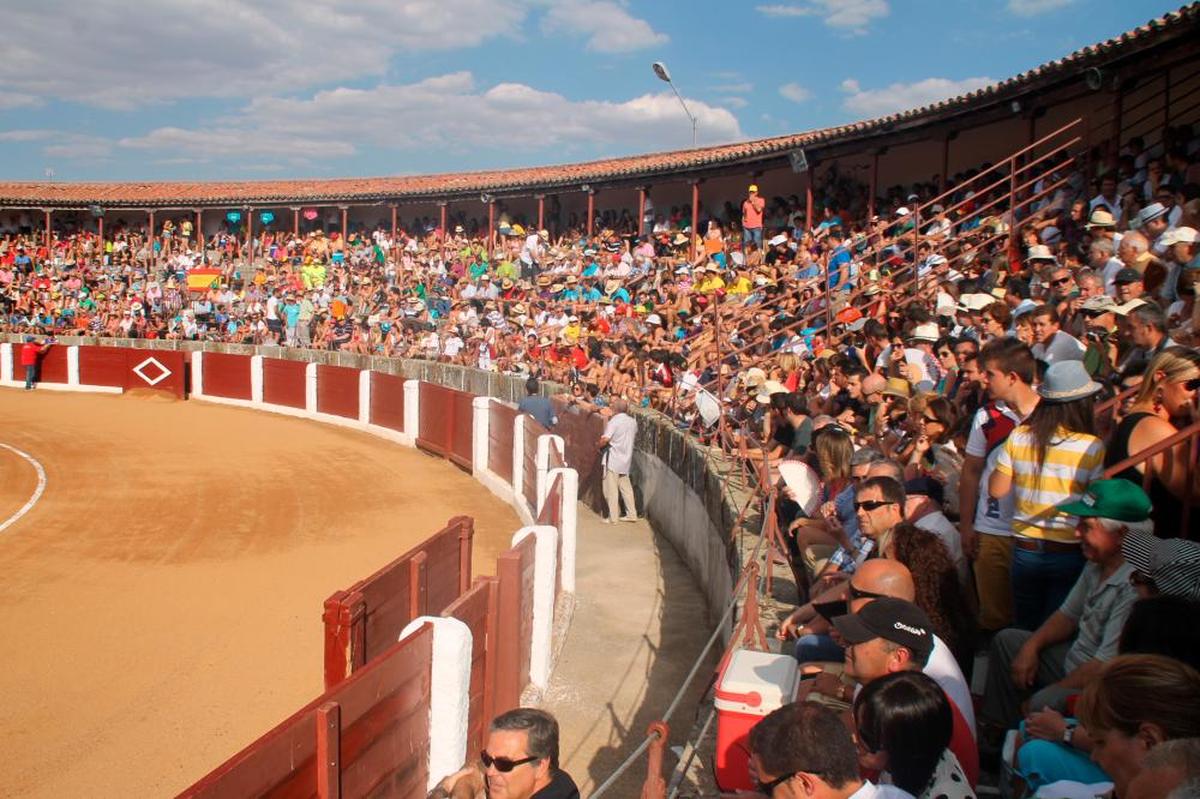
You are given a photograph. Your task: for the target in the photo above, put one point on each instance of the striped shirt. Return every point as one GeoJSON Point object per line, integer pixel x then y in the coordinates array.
{"type": "Point", "coordinates": [1072, 461]}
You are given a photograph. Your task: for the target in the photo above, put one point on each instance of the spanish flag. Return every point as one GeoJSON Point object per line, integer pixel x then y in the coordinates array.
{"type": "Point", "coordinates": [203, 279]}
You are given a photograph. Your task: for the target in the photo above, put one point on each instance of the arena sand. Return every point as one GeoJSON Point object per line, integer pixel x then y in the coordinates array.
{"type": "Point", "coordinates": [161, 605]}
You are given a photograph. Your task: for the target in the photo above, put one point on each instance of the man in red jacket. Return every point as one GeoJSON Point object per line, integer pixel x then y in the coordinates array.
{"type": "Point", "coordinates": [31, 351]}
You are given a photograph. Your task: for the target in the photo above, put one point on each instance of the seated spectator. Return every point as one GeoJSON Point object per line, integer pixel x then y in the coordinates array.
{"type": "Point", "coordinates": [1165, 402]}
{"type": "Point", "coordinates": [939, 591]}
{"type": "Point", "coordinates": [1071, 647]}
{"type": "Point", "coordinates": [1171, 770]}
{"type": "Point", "coordinates": [519, 761]}
{"type": "Point", "coordinates": [804, 751]}
{"type": "Point", "coordinates": [1163, 567]}
{"type": "Point", "coordinates": [903, 723]}
{"type": "Point", "coordinates": [1136, 703]}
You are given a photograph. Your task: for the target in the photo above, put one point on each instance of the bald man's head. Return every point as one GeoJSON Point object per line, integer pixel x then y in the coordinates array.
{"type": "Point", "coordinates": [884, 578]}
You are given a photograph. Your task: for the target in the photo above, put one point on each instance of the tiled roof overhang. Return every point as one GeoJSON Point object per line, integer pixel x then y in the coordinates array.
{"type": "Point", "coordinates": [1179, 28]}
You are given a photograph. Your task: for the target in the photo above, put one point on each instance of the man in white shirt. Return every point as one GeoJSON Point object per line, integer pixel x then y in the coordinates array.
{"type": "Point", "coordinates": [804, 751]}
{"type": "Point", "coordinates": [1107, 198]}
{"type": "Point", "coordinates": [1053, 344]}
{"type": "Point", "coordinates": [617, 444]}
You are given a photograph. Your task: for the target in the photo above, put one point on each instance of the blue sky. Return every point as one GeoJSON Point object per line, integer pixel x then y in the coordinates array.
{"type": "Point", "coordinates": [260, 89]}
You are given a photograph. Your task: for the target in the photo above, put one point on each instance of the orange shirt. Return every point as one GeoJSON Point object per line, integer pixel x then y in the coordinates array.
{"type": "Point", "coordinates": [752, 212]}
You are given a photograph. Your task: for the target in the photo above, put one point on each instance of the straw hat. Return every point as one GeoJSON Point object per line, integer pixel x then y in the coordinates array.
{"type": "Point", "coordinates": [897, 387]}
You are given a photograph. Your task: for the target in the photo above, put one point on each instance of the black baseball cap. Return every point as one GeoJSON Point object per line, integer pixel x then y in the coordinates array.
{"type": "Point", "coordinates": [1128, 275]}
{"type": "Point", "coordinates": [895, 620]}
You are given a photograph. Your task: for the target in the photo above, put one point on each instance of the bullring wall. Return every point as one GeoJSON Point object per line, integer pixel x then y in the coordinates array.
{"type": "Point", "coordinates": [680, 490]}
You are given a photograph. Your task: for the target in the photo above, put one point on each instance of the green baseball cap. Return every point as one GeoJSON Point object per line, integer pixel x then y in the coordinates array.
{"type": "Point", "coordinates": [1115, 499]}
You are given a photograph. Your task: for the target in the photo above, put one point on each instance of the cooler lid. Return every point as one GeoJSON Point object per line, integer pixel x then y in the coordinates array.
{"type": "Point", "coordinates": [757, 682]}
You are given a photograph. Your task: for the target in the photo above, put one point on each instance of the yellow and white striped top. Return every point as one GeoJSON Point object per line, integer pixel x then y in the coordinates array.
{"type": "Point", "coordinates": [1072, 461]}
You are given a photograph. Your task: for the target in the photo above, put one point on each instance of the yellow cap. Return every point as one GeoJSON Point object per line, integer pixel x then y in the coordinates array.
{"type": "Point", "coordinates": [754, 187]}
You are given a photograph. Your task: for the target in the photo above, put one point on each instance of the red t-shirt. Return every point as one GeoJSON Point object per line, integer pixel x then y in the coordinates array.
{"type": "Point", "coordinates": [962, 744]}
{"type": "Point", "coordinates": [29, 354]}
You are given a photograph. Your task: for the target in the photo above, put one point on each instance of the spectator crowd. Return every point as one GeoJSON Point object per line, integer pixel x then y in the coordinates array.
{"type": "Point", "coordinates": [951, 396]}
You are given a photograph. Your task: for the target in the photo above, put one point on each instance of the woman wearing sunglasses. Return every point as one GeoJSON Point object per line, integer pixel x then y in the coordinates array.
{"type": "Point", "coordinates": [1165, 402]}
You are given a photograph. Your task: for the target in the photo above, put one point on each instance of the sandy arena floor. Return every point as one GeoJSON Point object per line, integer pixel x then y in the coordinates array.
{"type": "Point", "coordinates": [161, 604]}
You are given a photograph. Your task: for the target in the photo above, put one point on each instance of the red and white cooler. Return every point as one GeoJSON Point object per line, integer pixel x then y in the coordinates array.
{"type": "Point", "coordinates": [754, 684]}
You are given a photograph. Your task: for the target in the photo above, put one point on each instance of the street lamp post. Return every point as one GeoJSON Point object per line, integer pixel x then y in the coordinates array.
{"type": "Point", "coordinates": [660, 69]}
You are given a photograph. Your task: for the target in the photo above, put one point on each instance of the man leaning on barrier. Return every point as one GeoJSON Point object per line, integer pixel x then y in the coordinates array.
{"type": "Point", "coordinates": [520, 761]}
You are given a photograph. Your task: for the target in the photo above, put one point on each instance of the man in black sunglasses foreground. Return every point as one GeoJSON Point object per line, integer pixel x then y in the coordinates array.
{"type": "Point", "coordinates": [520, 761]}
{"type": "Point", "coordinates": [804, 750]}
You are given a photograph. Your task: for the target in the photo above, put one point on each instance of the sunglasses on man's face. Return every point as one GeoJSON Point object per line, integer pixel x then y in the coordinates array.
{"type": "Point", "coordinates": [503, 764]}
{"type": "Point", "coordinates": [768, 788]}
{"type": "Point", "coordinates": [872, 504]}
{"type": "Point", "coordinates": [1062, 281]}
{"type": "Point", "coordinates": [1193, 384]}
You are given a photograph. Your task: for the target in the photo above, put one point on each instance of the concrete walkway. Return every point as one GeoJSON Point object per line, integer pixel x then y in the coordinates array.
{"type": "Point", "coordinates": [639, 622]}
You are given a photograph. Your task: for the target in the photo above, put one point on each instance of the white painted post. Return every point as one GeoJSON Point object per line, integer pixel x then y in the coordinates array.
{"type": "Point", "coordinates": [545, 554]}
{"type": "Point", "coordinates": [544, 443]}
{"type": "Point", "coordinates": [449, 696]}
{"type": "Point", "coordinates": [480, 429]}
{"type": "Point", "coordinates": [73, 365]}
{"type": "Point", "coordinates": [310, 387]}
{"type": "Point", "coordinates": [412, 408]}
{"type": "Point", "coordinates": [197, 373]}
{"type": "Point", "coordinates": [518, 457]}
{"type": "Point", "coordinates": [256, 379]}
{"type": "Point", "coordinates": [364, 396]}
{"type": "Point", "coordinates": [569, 525]}
{"type": "Point", "coordinates": [6, 361]}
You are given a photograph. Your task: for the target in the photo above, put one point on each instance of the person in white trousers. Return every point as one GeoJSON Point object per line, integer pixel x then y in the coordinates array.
{"type": "Point", "coordinates": [617, 442]}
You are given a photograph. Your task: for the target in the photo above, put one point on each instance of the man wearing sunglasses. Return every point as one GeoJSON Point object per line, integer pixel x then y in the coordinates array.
{"type": "Point", "coordinates": [520, 761]}
{"type": "Point", "coordinates": [804, 751]}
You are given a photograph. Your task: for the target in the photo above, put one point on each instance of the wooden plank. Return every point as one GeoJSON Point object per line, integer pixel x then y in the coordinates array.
{"type": "Point", "coordinates": [329, 745]}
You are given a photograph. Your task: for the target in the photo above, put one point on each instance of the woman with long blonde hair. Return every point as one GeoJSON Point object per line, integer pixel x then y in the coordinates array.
{"type": "Point", "coordinates": [1165, 403]}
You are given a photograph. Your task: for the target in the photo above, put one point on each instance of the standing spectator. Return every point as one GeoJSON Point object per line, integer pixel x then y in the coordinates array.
{"type": "Point", "coordinates": [985, 523]}
{"type": "Point", "coordinates": [540, 408]}
{"type": "Point", "coordinates": [1046, 462]}
{"type": "Point", "coordinates": [617, 443]}
{"type": "Point", "coordinates": [752, 218]}
{"type": "Point", "coordinates": [31, 353]}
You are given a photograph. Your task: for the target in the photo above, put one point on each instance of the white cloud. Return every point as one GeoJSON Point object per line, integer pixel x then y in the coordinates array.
{"type": "Point", "coordinates": [735, 102]}
{"type": "Point", "coordinates": [9, 100]}
{"type": "Point", "coordinates": [608, 26]}
{"type": "Point", "coordinates": [853, 15]}
{"type": "Point", "coordinates": [744, 87]}
{"type": "Point", "coordinates": [795, 92]}
{"type": "Point", "coordinates": [111, 54]}
{"type": "Point", "coordinates": [61, 143]}
{"type": "Point", "coordinates": [1032, 8]}
{"type": "Point", "coordinates": [453, 113]}
{"type": "Point", "coordinates": [904, 96]}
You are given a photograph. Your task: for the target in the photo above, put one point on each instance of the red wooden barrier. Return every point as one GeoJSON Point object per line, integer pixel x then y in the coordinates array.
{"type": "Point", "coordinates": [337, 391]}
{"type": "Point", "coordinates": [227, 375]}
{"type": "Point", "coordinates": [369, 736]}
{"type": "Point", "coordinates": [103, 366]}
{"type": "Point", "coordinates": [580, 432]}
{"type": "Point", "coordinates": [283, 382]}
{"type": "Point", "coordinates": [514, 570]}
{"type": "Point", "coordinates": [365, 619]}
{"type": "Point", "coordinates": [478, 610]}
{"type": "Point", "coordinates": [52, 365]}
{"type": "Point", "coordinates": [500, 440]}
{"type": "Point", "coordinates": [437, 416]}
{"type": "Point", "coordinates": [387, 401]}
{"type": "Point", "coordinates": [462, 429]}
{"type": "Point", "coordinates": [159, 370]}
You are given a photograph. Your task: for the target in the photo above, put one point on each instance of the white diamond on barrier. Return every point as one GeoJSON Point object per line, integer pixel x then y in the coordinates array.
{"type": "Point", "coordinates": [163, 374]}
